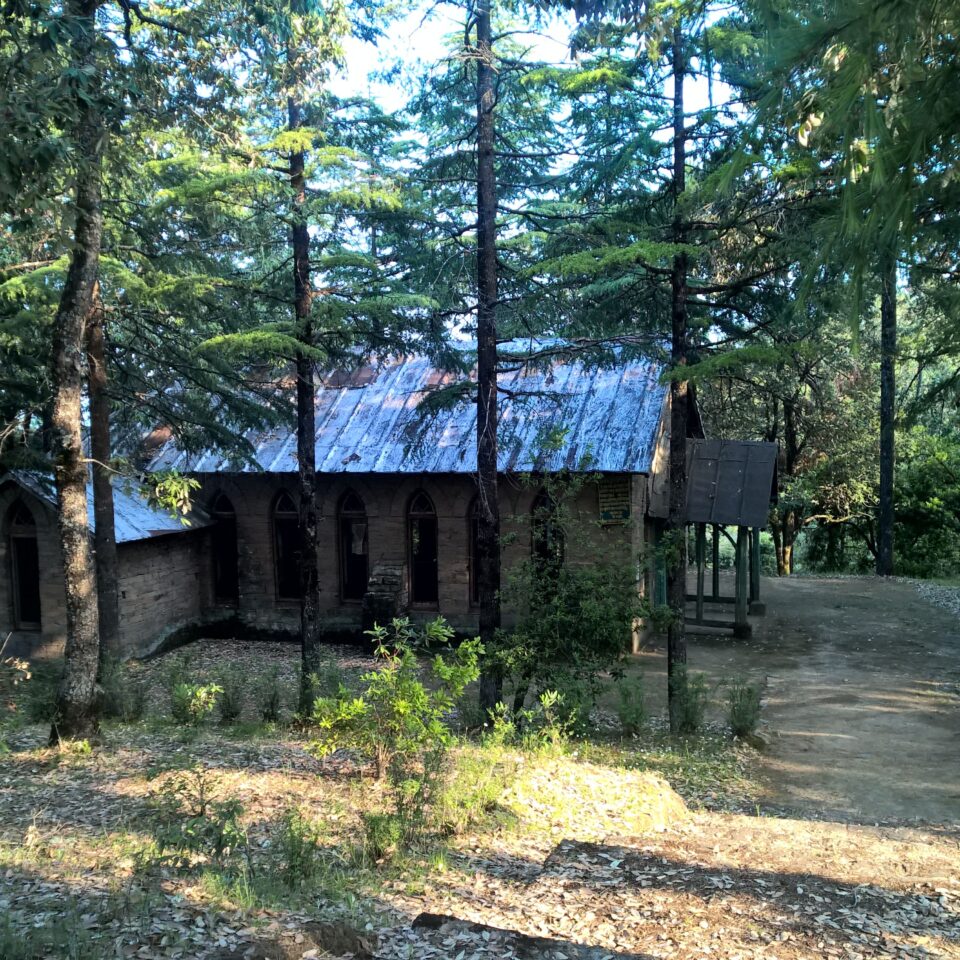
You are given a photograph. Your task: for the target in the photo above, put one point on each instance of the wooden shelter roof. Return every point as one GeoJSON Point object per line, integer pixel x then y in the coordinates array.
{"type": "Point", "coordinates": [731, 482]}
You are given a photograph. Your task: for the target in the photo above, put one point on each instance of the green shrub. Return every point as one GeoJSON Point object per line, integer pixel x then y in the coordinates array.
{"type": "Point", "coordinates": [543, 727]}
{"type": "Point", "coordinates": [688, 700]}
{"type": "Point", "coordinates": [384, 834]}
{"type": "Point", "coordinates": [176, 670]}
{"type": "Point", "coordinates": [190, 818]}
{"type": "Point", "coordinates": [743, 701]}
{"type": "Point", "coordinates": [548, 724]}
{"type": "Point", "coordinates": [36, 690]}
{"type": "Point", "coordinates": [298, 847]}
{"type": "Point", "coordinates": [472, 792]}
{"type": "Point", "coordinates": [396, 720]}
{"type": "Point", "coordinates": [327, 679]}
{"type": "Point", "coordinates": [14, 675]}
{"type": "Point", "coordinates": [631, 709]}
{"type": "Point", "coordinates": [270, 701]}
{"type": "Point", "coordinates": [192, 703]}
{"type": "Point", "coordinates": [468, 714]}
{"type": "Point", "coordinates": [574, 628]}
{"type": "Point", "coordinates": [232, 684]}
{"type": "Point", "coordinates": [123, 696]}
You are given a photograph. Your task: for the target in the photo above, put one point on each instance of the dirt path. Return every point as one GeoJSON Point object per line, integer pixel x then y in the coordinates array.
{"type": "Point", "coordinates": [862, 680]}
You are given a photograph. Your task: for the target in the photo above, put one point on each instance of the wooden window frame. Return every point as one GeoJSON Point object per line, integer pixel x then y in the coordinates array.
{"type": "Point", "coordinates": [421, 515]}
{"type": "Point", "coordinates": [345, 514]}
{"type": "Point", "coordinates": [286, 514]}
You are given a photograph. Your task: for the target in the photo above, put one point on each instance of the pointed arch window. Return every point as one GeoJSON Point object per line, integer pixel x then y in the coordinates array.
{"type": "Point", "coordinates": [473, 521]}
{"type": "Point", "coordinates": [547, 542]}
{"type": "Point", "coordinates": [286, 548]}
{"type": "Point", "coordinates": [422, 537]}
{"type": "Point", "coordinates": [226, 576]}
{"type": "Point", "coordinates": [354, 549]}
{"type": "Point", "coordinates": [24, 567]}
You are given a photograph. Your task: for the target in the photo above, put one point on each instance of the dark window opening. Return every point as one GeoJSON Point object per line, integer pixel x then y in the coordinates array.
{"type": "Point", "coordinates": [422, 533]}
{"type": "Point", "coordinates": [24, 568]}
{"type": "Point", "coordinates": [474, 521]}
{"type": "Point", "coordinates": [226, 576]}
{"type": "Point", "coordinates": [547, 547]}
{"type": "Point", "coordinates": [286, 548]}
{"type": "Point", "coordinates": [354, 550]}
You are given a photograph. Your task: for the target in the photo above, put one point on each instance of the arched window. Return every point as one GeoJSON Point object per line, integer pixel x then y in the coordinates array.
{"type": "Point", "coordinates": [352, 526]}
{"type": "Point", "coordinates": [547, 542]}
{"type": "Point", "coordinates": [24, 567]}
{"type": "Point", "coordinates": [286, 548]}
{"type": "Point", "coordinates": [226, 578]}
{"type": "Point", "coordinates": [422, 539]}
{"type": "Point", "coordinates": [473, 521]}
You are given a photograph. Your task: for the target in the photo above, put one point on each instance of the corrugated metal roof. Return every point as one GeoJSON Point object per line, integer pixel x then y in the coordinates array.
{"type": "Point", "coordinates": [370, 422]}
{"type": "Point", "coordinates": [133, 516]}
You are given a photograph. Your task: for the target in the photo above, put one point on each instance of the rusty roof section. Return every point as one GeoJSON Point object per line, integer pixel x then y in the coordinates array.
{"type": "Point", "coordinates": [133, 516]}
{"type": "Point", "coordinates": [731, 482]}
{"type": "Point", "coordinates": [567, 415]}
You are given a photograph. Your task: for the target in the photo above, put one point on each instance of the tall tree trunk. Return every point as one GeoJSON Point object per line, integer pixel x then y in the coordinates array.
{"type": "Point", "coordinates": [488, 525]}
{"type": "Point", "coordinates": [679, 408]}
{"type": "Point", "coordinates": [888, 386]}
{"type": "Point", "coordinates": [306, 420]}
{"type": "Point", "coordinates": [776, 528]}
{"type": "Point", "coordinates": [104, 538]}
{"type": "Point", "coordinates": [76, 695]}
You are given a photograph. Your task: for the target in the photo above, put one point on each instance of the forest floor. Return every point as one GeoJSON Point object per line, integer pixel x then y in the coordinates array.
{"type": "Point", "coordinates": [587, 853]}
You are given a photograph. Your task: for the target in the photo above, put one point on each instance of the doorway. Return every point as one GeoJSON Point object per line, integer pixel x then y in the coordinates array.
{"type": "Point", "coordinates": [25, 568]}
{"type": "Point", "coordinates": [423, 542]}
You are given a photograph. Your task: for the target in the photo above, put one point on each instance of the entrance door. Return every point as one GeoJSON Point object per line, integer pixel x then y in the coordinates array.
{"type": "Point", "coordinates": [25, 567]}
{"type": "Point", "coordinates": [422, 525]}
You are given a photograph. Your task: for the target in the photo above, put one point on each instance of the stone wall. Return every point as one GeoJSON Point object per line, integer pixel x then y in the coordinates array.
{"type": "Point", "coordinates": [166, 582]}
{"type": "Point", "coordinates": [386, 498]}
{"type": "Point", "coordinates": [163, 587]}
{"type": "Point", "coordinates": [163, 584]}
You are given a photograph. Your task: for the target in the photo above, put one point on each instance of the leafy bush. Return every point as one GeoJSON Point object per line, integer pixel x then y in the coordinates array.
{"type": "Point", "coordinates": [270, 701]}
{"type": "Point", "coordinates": [14, 675]}
{"type": "Point", "coordinates": [397, 720]}
{"type": "Point", "coordinates": [326, 680]}
{"type": "Point", "coordinates": [298, 845]}
{"type": "Point", "coordinates": [30, 688]}
{"type": "Point", "coordinates": [122, 695]}
{"type": "Point", "coordinates": [575, 627]}
{"type": "Point", "coordinates": [232, 683]}
{"type": "Point", "coordinates": [688, 701]}
{"type": "Point", "coordinates": [191, 820]}
{"type": "Point", "coordinates": [26, 692]}
{"type": "Point", "coordinates": [383, 834]}
{"type": "Point", "coordinates": [743, 701]}
{"type": "Point", "coordinates": [471, 794]}
{"type": "Point", "coordinates": [192, 703]}
{"type": "Point", "coordinates": [544, 727]}
{"type": "Point", "coordinates": [631, 709]}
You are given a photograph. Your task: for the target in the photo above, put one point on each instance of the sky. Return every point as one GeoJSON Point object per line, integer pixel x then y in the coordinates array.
{"type": "Point", "coordinates": [420, 37]}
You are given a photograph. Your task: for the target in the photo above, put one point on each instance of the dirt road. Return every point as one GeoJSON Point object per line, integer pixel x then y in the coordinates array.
{"type": "Point", "coordinates": [862, 688]}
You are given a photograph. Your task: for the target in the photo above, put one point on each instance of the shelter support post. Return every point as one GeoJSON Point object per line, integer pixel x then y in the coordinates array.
{"type": "Point", "coordinates": [715, 562]}
{"type": "Point", "coordinates": [757, 608]}
{"type": "Point", "coordinates": [741, 626]}
{"type": "Point", "coordinates": [701, 564]}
